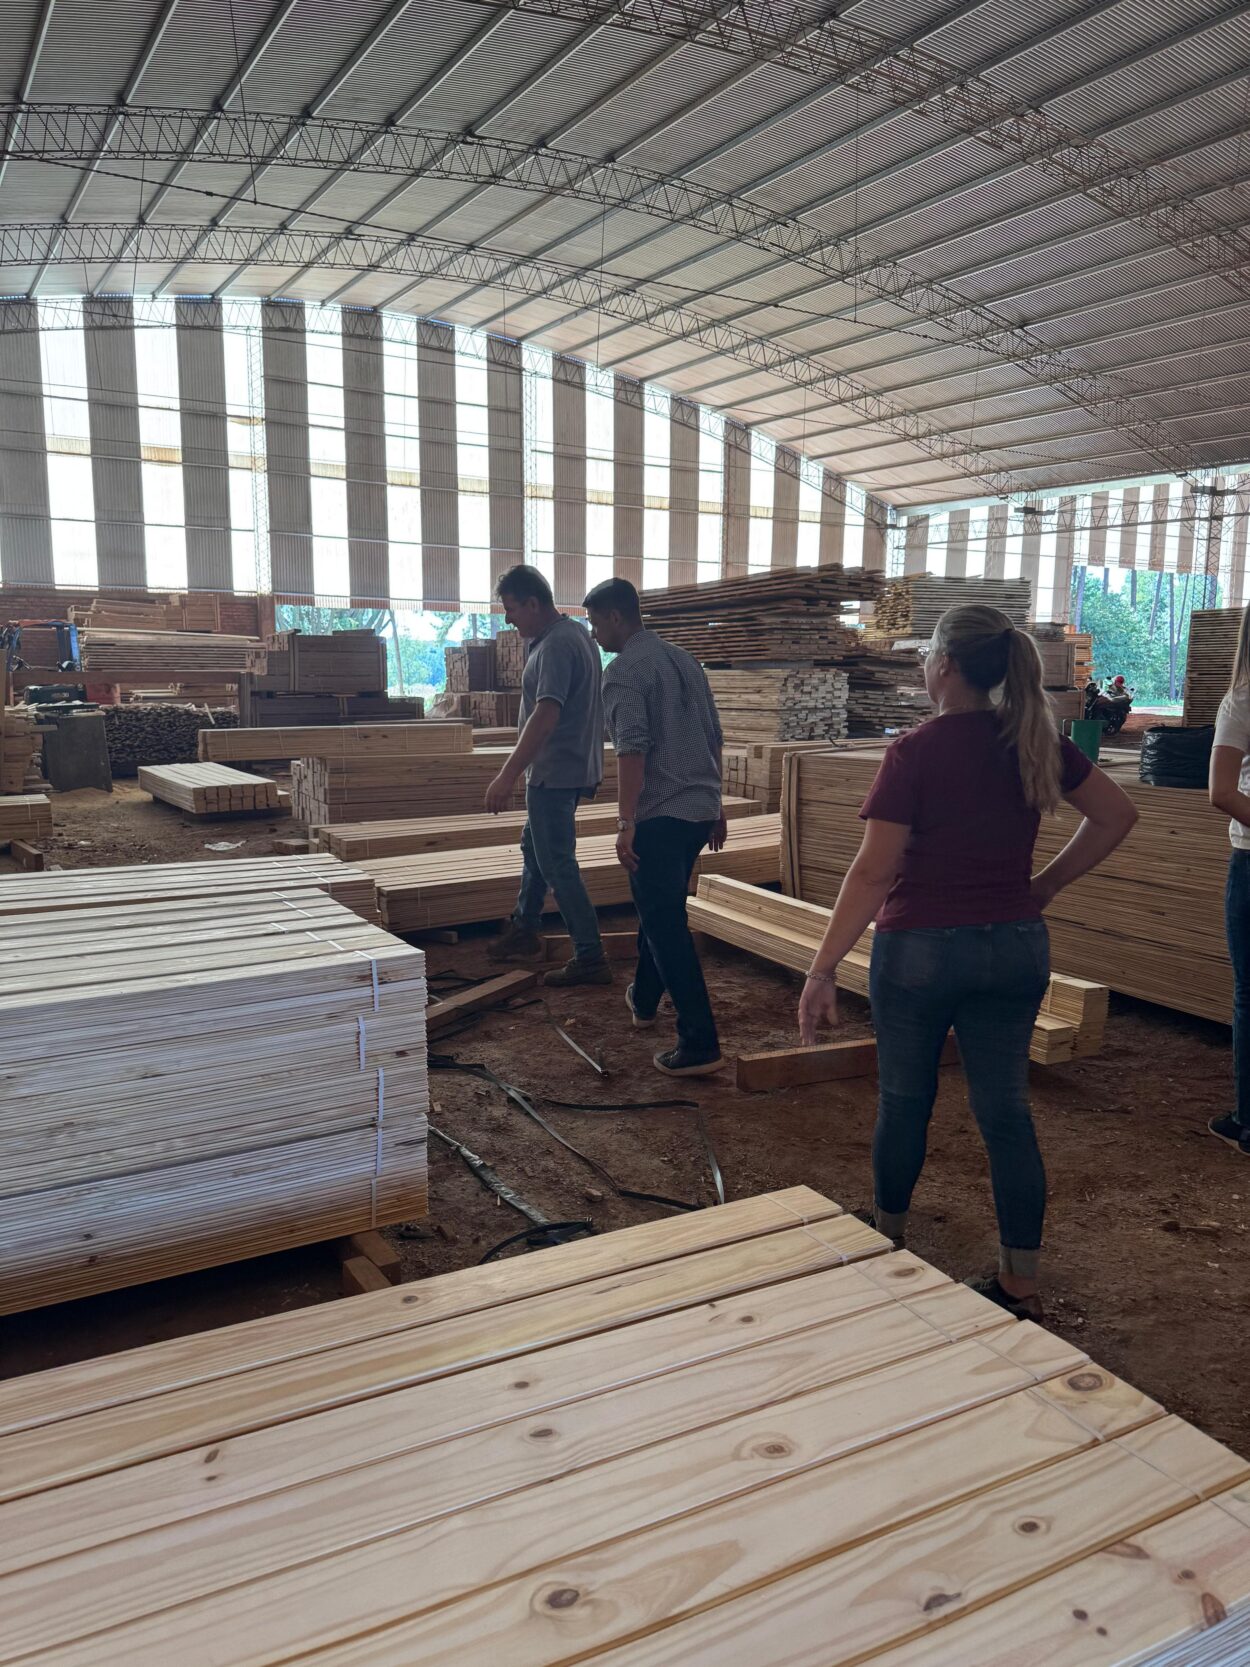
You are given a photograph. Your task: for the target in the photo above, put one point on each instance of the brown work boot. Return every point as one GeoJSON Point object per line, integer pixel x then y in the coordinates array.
{"type": "Point", "coordinates": [516, 943]}
{"type": "Point", "coordinates": [580, 972]}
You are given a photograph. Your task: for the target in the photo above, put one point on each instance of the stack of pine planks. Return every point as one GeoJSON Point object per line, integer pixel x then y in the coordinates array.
{"type": "Point", "coordinates": [456, 887]}
{"type": "Point", "coordinates": [1148, 922]}
{"type": "Point", "coordinates": [780, 703]}
{"type": "Point", "coordinates": [754, 771]}
{"type": "Point", "coordinates": [427, 735]}
{"type": "Point", "coordinates": [206, 1076]}
{"type": "Point", "coordinates": [195, 611]}
{"type": "Point", "coordinates": [1213, 636]}
{"type": "Point", "coordinates": [911, 606]}
{"type": "Point", "coordinates": [20, 749]}
{"type": "Point", "coordinates": [153, 656]}
{"type": "Point", "coordinates": [340, 663]}
{"type": "Point", "coordinates": [353, 841]}
{"type": "Point", "coordinates": [470, 665]}
{"type": "Point", "coordinates": [509, 659]}
{"type": "Point", "coordinates": [788, 931]}
{"type": "Point", "coordinates": [788, 614]}
{"type": "Point", "coordinates": [378, 788]}
{"type": "Point", "coordinates": [25, 816]}
{"type": "Point", "coordinates": [209, 789]}
{"type": "Point", "coordinates": [752, 1436]}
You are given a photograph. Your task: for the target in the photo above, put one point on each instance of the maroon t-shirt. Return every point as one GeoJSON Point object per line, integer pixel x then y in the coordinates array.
{"type": "Point", "coordinates": [969, 860]}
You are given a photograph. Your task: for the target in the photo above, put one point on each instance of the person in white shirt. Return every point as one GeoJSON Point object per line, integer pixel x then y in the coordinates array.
{"type": "Point", "coordinates": [1229, 790]}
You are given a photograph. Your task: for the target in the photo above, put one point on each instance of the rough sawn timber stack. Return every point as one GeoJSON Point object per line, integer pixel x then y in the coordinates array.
{"type": "Point", "coordinates": [25, 816]}
{"type": "Point", "coordinates": [424, 735]}
{"type": "Point", "coordinates": [142, 654]}
{"type": "Point", "coordinates": [750, 1437]}
{"type": "Point", "coordinates": [1148, 922]}
{"type": "Point", "coordinates": [780, 703]}
{"type": "Point", "coordinates": [1208, 671]}
{"type": "Point", "coordinates": [789, 614]}
{"type": "Point", "coordinates": [199, 1080]}
{"type": "Point", "coordinates": [208, 789]}
{"type": "Point", "coordinates": [911, 606]}
{"type": "Point", "coordinates": [21, 747]}
{"type": "Point", "coordinates": [454, 888]}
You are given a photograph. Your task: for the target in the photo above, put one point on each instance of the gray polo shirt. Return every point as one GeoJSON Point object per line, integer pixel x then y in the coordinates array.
{"type": "Point", "coordinates": [563, 665]}
{"type": "Point", "coordinates": [658, 703]}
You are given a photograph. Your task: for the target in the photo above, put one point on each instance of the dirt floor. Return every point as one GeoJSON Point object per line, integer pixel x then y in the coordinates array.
{"type": "Point", "coordinates": [1147, 1243]}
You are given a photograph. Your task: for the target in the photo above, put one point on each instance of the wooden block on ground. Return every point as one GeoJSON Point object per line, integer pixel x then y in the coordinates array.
{"type": "Point", "coordinates": [29, 858]}
{"type": "Point", "coordinates": [289, 846]}
{"type": "Point", "coordinates": [361, 1275]}
{"type": "Point", "coordinates": [440, 1014]}
{"type": "Point", "coordinates": [381, 1252]}
{"type": "Point", "coordinates": [826, 1062]}
{"type": "Point", "coordinates": [617, 946]}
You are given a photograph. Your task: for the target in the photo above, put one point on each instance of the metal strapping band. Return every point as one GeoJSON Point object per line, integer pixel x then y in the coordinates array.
{"type": "Point", "coordinates": [360, 1038]}
{"type": "Point", "coordinates": [377, 1150]}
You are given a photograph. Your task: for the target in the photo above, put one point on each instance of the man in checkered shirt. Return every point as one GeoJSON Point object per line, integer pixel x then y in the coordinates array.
{"type": "Point", "coordinates": [663, 723]}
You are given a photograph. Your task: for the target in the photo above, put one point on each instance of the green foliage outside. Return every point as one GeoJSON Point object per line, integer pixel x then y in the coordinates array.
{"type": "Point", "coordinates": [1141, 631]}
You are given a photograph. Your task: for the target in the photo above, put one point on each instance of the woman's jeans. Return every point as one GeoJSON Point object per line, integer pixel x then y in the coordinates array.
{"type": "Point", "coordinates": [1237, 924]}
{"type": "Point", "coordinates": [986, 983]}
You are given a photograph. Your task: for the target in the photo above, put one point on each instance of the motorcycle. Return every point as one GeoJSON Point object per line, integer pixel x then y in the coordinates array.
{"type": "Point", "coordinates": [1110, 706]}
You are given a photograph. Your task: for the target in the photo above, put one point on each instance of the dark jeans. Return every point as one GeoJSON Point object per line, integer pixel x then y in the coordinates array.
{"type": "Point", "coordinates": [549, 855]}
{"type": "Point", "coordinates": [667, 851]}
{"type": "Point", "coordinates": [1237, 924]}
{"type": "Point", "coordinates": [986, 983]}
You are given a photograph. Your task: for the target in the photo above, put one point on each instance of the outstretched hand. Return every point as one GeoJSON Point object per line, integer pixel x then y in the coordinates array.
{"type": "Point", "coordinates": [818, 1005]}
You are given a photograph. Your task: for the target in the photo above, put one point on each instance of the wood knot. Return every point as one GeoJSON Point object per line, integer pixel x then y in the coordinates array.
{"type": "Point", "coordinates": [746, 1319]}
{"type": "Point", "coordinates": [1213, 1611]}
{"type": "Point", "coordinates": [410, 1299]}
{"type": "Point", "coordinates": [1188, 1574]}
{"type": "Point", "coordinates": [521, 1383]}
{"type": "Point", "coordinates": [1085, 1382]}
{"type": "Point", "coordinates": [564, 1597]}
{"type": "Point", "coordinates": [543, 1434]}
{"type": "Point", "coordinates": [1080, 1615]}
{"type": "Point", "coordinates": [775, 1449]}
{"type": "Point", "coordinates": [211, 1456]}
{"type": "Point", "coordinates": [1029, 1526]}
{"type": "Point", "coordinates": [939, 1600]}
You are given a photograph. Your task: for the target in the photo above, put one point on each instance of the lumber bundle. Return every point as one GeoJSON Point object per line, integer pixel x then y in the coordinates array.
{"type": "Point", "coordinates": [753, 1435]}
{"type": "Point", "coordinates": [787, 614]}
{"type": "Point", "coordinates": [755, 771]}
{"type": "Point", "coordinates": [341, 663]}
{"type": "Point", "coordinates": [349, 740]}
{"type": "Point", "coordinates": [501, 735]}
{"type": "Point", "coordinates": [275, 709]}
{"type": "Point", "coordinates": [21, 746]}
{"type": "Point", "coordinates": [25, 816]}
{"type": "Point", "coordinates": [197, 611]}
{"type": "Point", "coordinates": [376, 789]}
{"type": "Point", "coordinates": [1212, 648]}
{"type": "Point", "coordinates": [470, 665]}
{"type": "Point", "coordinates": [493, 708]}
{"type": "Point", "coordinates": [454, 888]}
{"type": "Point", "coordinates": [161, 733]}
{"type": "Point", "coordinates": [911, 606]}
{"type": "Point", "coordinates": [509, 659]}
{"type": "Point", "coordinates": [788, 931]}
{"type": "Point", "coordinates": [1147, 922]}
{"type": "Point", "coordinates": [209, 789]}
{"type": "Point", "coordinates": [161, 886]}
{"type": "Point", "coordinates": [353, 841]}
{"type": "Point", "coordinates": [146, 654]}
{"type": "Point", "coordinates": [199, 1080]}
{"type": "Point", "coordinates": [780, 703]}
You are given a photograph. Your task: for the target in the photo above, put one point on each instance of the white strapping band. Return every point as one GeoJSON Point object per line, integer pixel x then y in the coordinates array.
{"type": "Point", "coordinates": [377, 1150]}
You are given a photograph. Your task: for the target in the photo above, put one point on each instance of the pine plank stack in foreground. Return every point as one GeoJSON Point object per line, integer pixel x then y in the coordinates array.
{"type": "Point", "coordinates": [1213, 636]}
{"type": "Point", "coordinates": [748, 1437]}
{"type": "Point", "coordinates": [200, 1079]}
{"type": "Point", "coordinates": [426, 735]}
{"type": "Point", "coordinates": [208, 789]}
{"type": "Point", "coordinates": [1148, 922]}
{"type": "Point", "coordinates": [353, 841]}
{"type": "Point", "coordinates": [788, 931]}
{"type": "Point", "coordinates": [454, 888]}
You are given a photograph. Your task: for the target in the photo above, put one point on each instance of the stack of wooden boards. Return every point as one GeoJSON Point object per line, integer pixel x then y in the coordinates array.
{"type": "Point", "coordinates": [755, 771]}
{"type": "Point", "coordinates": [153, 656]}
{"type": "Point", "coordinates": [161, 733]}
{"type": "Point", "coordinates": [1213, 636]}
{"type": "Point", "coordinates": [374, 789]}
{"type": "Point", "coordinates": [484, 679]}
{"type": "Point", "coordinates": [750, 1437]}
{"type": "Point", "coordinates": [20, 748]}
{"type": "Point", "coordinates": [353, 841]}
{"type": "Point", "coordinates": [209, 789]}
{"type": "Point", "coordinates": [337, 678]}
{"type": "Point", "coordinates": [195, 611]}
{"type": "Point", "coordinates": [797, 613]}
{"type": "Point", "coordinates": [780, 703]}
{"type": "Point", "coordinates": [347, 741]}
{"type": "Point", "coordinates": [1066, 661]}
{"type": "Point", "coordinates": [25, 816]}
{"type": "Point", "coordinates": [788, 931]}
{"type": "Point", "coordinates": [198, 1069]}
{"type": "Point", "coordinates": [1149, 921]}
{"type": "Point", "coordinates": [456, 887]}
{"type": "Point", "coordinates": [911, 606]}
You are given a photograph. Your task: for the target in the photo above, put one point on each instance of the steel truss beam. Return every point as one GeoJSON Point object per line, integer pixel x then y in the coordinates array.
{"type": "Point", "coordinates": [58, 132]}
{"type": "Point", "coordinates": [416, 259]}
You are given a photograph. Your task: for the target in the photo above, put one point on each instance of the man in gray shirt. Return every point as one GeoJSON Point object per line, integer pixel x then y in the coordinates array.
{"type": "Point", "coordinates": [663, 724]}
{"type": "Point", "coordinates": [560, 751]}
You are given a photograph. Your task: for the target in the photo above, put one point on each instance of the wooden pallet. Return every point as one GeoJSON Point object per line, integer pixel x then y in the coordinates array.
{"type": "Point", "coordinates": [353, 841]}
{"type": "Point", "coordinates": [744, 1438]}
{"type": "Point", "coordinates": [788, 932]}
{"type": "Point", "coordinates": [454, 888]}
{"type": "Point", "coordinates": [209, 789]}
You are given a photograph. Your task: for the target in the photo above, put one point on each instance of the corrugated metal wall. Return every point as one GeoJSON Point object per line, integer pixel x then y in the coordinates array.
{"type": "Point", "coordinates": [506, 444]}
{"type": "Point", "coordinates": [286, 448]}
{"type": "Point", "coordinates": [628, 429]}
{"type": "Point", "coordinates": [364, 440]}
{"type": "Point", "coordinates": [205, 445]}
{"type": "Point", "coordinates": [113, 413]}
{"type": "Point", "coordinates": [736, 538]}
{"type": "Point", "coordinates": [440, 476]}
{"type": "Point", "coordinates": [957, 543]}
{"type": "Point", "coordinates": [876, 527]}
{"type": "Point", "coordinates": [683, 492]}
{"type": "Point", "coordinates": [832, 519]}
{"type": "Point", "coordinates": [25, 527]}
{"type": "Point", "coordinates": [568, 399]}
{"type": "Point", "coordinates": [785, 548]}
{"type": "Point", "coordinates": [916, 544]}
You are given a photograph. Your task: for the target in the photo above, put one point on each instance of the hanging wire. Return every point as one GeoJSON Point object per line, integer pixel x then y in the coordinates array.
{"type": "Point", "coordinates": [238, 75]}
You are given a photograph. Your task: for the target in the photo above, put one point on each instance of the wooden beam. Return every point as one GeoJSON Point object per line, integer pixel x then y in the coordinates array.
{"type": "Point", "coordinates": [617, 946]}
{"type": "Point", "coordinates": [381, 1252]}
{"type": "Point", "coordinates": [361, 1275]}
{"type": "Point", "coordinates": [441, 1014]}
{"type": "Point", "coordinates": [29, 858]}
{"type": "Point", "coordinates": [826, 1062]}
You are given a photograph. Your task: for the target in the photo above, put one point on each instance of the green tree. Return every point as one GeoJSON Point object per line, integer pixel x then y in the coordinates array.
{"type": "Point", "coordinates": [1146, 639]}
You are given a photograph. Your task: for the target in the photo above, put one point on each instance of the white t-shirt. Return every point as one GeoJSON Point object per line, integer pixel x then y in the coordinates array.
{"type": "Point", "coordinates": [1232, 729]}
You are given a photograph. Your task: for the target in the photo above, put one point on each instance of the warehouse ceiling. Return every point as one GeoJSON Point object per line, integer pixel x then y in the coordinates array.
{"type": "Point", "coordinates": [944, 249]}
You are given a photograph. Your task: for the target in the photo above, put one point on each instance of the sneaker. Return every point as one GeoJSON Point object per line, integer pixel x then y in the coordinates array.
{"type": "Point", "coordinates": [579, 972]}
{"type": "Point", "coordinates": [1020, 1308]}
{"type": "Point", "coordinates": [676, 1062]}
{"type": "Point", "coordinates": [641, 1020]}
{"type": "Point", "coordinates": [1232, 1133]}
{"type": "Point", "coordinates": [516, 943]}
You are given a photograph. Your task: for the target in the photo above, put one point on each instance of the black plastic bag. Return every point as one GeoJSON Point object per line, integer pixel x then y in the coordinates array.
{"type": "Point", "coordinates": [1175, 757]}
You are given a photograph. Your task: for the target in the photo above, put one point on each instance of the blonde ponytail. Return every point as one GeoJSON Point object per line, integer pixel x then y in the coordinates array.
{"type": "Point", "coordinates": [1241, 660]}
{"type": "Point", "coordinates": [990, 653]}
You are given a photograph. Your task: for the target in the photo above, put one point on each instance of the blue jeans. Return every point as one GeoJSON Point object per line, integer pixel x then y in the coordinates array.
{"type": "Point", "coordinates": [667, 849]}
{"type": "Point", "coordinates": [549, 857]}
{"type": "Point", "coordinates": [1237, 925]}
{"type": "Point", "coordinates": [986, 983]}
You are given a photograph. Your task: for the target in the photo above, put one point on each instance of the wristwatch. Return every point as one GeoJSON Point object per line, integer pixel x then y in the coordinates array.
{"type": "Point", "coordinates": [622, 824]}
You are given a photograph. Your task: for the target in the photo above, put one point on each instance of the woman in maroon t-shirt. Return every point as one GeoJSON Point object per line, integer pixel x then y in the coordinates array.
{"type": "Point", "coordinates": [945, 869]}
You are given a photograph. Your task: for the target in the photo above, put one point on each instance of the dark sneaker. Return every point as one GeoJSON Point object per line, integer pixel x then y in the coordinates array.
{"type": "Point", "coordinates": [579, 972]}
{"type": "Point", "coordinates": [642, 1021]}
{"type": "Point", "coordinates": [1020, 1308]}
{"type": "Point", "coordinates": [1232, 1133]}
{"type": "Point", "coordinates": [676, 1062]}
{"type": "Point", "coordinates": [517, 943]}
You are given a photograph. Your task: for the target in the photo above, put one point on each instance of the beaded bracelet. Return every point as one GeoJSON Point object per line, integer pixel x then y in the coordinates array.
{"type": "Point", "coordinates": [823, 978]}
